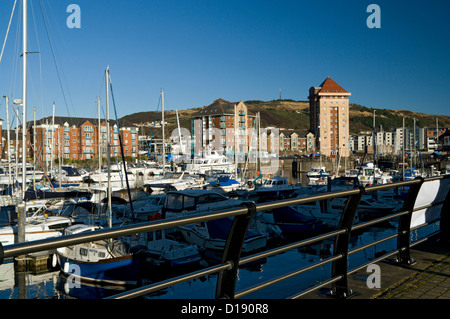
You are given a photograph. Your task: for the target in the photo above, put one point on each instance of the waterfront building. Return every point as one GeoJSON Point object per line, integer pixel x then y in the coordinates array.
{"type": "Point", "coordinates": [432, 137]}
{"type": "Point", "coordinates": [215, 126]}
{"type": "Point", "coordinates": [294, 142]}
{"type": "Point", "coordinates": [76, 138]}
{"type": "Point", "coordinates": [329, 118]}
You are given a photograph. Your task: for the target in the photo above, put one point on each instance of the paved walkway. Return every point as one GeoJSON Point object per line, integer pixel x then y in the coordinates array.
{"type": "Point", "coordinates": [432, 282]}
{"type": "Point", "coordinates": [427, 278]}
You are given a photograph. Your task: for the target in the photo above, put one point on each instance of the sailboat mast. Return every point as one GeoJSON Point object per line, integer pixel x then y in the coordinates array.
{"type": "Point", "coordinates": [403, 150]}
{"type": "Point", "coordinates": [374, 142]}
{"type": "Point", "coordinates": [108, 151]}
{"type": "Point", "coordinates": [24, 99]}
{"type": "Point", "coordinates": [53, 136]}
{"type": "Point", "coordinates": [179, 133]}
{"type": "Point", "coordinates": [235, 141]}
{"type": "Point", "coordinates": [8, 135]}
{"type": "Point", "coordinates": [163, 139]}
{"type": "Point", "coordinates": [99, 143]}
{"type": "Point", "coordinates": [34, 145]}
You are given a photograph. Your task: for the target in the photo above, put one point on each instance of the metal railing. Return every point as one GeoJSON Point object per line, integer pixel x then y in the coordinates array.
{"type": "Point", "coordinates": [231, 260]}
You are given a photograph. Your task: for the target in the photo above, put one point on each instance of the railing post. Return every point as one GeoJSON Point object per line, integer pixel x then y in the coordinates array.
{"type": "Point", "coordinates": [404, 224]}
{"type": "Point", "coordinates": [339, 267]}
{"type": "Point", "coordinates": [226, 281]}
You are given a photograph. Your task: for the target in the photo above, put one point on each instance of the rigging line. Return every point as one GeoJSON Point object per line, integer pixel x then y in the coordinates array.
{"type": "Point", "coordinates": [54, 59]}
{"type": "Point", "coordinates": [7, 30]}
{"type": "Point", "coordinates": [14, 64]}
{"type": "Point", "coordinates": [121, 149]}
{"type": "Point", "coordinates": [40, 57]}
{"type": "Point", "coordinates": [68, 52]}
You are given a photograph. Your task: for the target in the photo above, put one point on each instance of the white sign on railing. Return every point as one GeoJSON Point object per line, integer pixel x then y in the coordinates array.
{"type": "Point", "coordinates": [430, 192]}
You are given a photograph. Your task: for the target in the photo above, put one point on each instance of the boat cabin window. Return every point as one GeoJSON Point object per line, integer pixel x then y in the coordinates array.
{"type": "Point", "coordinates": [174, 202]}
{"type": "Point", "coordinates": [217, 198]}
{"type": "Point", "coordinates": [189, 203]}
{"type": "Point", "coordinates": [58, 226]}
{"type": "Point", "coordinates": [83, 251]}
{"type": "Point", "coordinates": [203, 199]}
{"type": "Point", "coordinates": [101, 254]}
{"type": "Point", "coordinates": [178, 202]}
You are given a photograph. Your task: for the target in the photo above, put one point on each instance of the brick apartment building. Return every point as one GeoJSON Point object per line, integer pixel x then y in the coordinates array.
{"type": "Point", "coordinates": [329, 118]}
{"type": "Point", "coordinates": [78, 138]}
{"type": "Point", "coordinates": [226, 119]}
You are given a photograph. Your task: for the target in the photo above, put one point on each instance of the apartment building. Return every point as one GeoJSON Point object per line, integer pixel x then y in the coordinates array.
{"type": "Point", "coordinates": [78, 138]}
{"type": "Point", "coordinates": [296, 142]}
{"type": "Point", "coordinates": [329, 118]}
{"type": "Point", "coordinates": [215, 126]}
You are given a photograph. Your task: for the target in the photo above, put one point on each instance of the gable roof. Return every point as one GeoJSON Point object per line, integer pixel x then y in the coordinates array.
{"type": "Point", "coordinates": [330, 86]}
{"type": "Point", "coordinates": [219, 106]}
{"type": "Point", "coordinates": [300, 133]}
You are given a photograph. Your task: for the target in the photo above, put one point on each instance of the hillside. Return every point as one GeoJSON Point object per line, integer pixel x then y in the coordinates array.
{"type": "Point", "coordinates": [295, 115]}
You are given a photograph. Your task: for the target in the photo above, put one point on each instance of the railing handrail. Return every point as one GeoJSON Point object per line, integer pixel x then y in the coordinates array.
{"type": "Point", "coordinates": [227, 269]}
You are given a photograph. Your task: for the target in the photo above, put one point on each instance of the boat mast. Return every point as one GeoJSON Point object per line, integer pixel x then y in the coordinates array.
{"type": "Point", "coordinates": [53, 136]}
{"type": "Point", "coordinates": [34, 145]}
{"type": "Point", "coordinates": [162, 123]}
{"type": "Point", "coordinates": [403, 149]}
{"type": "Point", "coordinates": [374, 142]}
{"type": "Point", "coordinates": [24, 99]}
{"type": "Point", "coordinates": [108, 149]}
{"type": "Point", "coordinates": [179, 133]}
{"type": "Point", "coordinates": [235, 141]}
{"type": "Point", "coordinates": [99, 143]}
{"type": "Point", "coordinates": [8, 140]}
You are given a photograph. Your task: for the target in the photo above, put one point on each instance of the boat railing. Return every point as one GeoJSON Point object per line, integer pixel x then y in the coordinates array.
{"type": "Point", "coordinates": [423, 194]}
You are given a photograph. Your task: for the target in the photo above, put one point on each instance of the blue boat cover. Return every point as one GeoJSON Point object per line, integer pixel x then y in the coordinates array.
{"type": "Point", "coordinates": [220, 228]}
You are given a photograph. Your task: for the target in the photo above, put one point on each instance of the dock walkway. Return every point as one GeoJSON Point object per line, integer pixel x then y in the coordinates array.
{"type": "Point", "coordinates": [427, 278]}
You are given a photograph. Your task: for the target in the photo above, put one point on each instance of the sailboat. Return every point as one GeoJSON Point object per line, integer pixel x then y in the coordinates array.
{"type": "Point", "coordinates": [104, 261]}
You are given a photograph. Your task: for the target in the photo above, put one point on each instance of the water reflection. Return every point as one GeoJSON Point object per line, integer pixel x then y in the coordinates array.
{"type": "Point", "coordinates": [54, 285]}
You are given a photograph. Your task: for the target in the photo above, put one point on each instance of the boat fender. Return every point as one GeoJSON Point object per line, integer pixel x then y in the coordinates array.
{"type": "Point", "coordinates": [54, 260]}
{"type": "Point", "coordinates": [155, 216]}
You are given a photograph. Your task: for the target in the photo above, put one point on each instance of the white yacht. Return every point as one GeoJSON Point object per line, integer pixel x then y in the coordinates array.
{"type": "Point", "coordinates": [212, 161]}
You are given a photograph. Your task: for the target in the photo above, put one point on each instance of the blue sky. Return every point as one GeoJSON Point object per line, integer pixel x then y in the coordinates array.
{"type": "Point", "coordinates": [198, 51]}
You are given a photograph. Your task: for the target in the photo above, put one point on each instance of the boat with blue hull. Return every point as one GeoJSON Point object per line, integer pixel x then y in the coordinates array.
{"type": "Point", "coordinates": [224, 181]}
{"type": "Point", "coordinates": [293, 222]}
{"type": "Point", "coordinates": [103, 262]}
{"type": "Point", "coordinates": [212, 234]}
